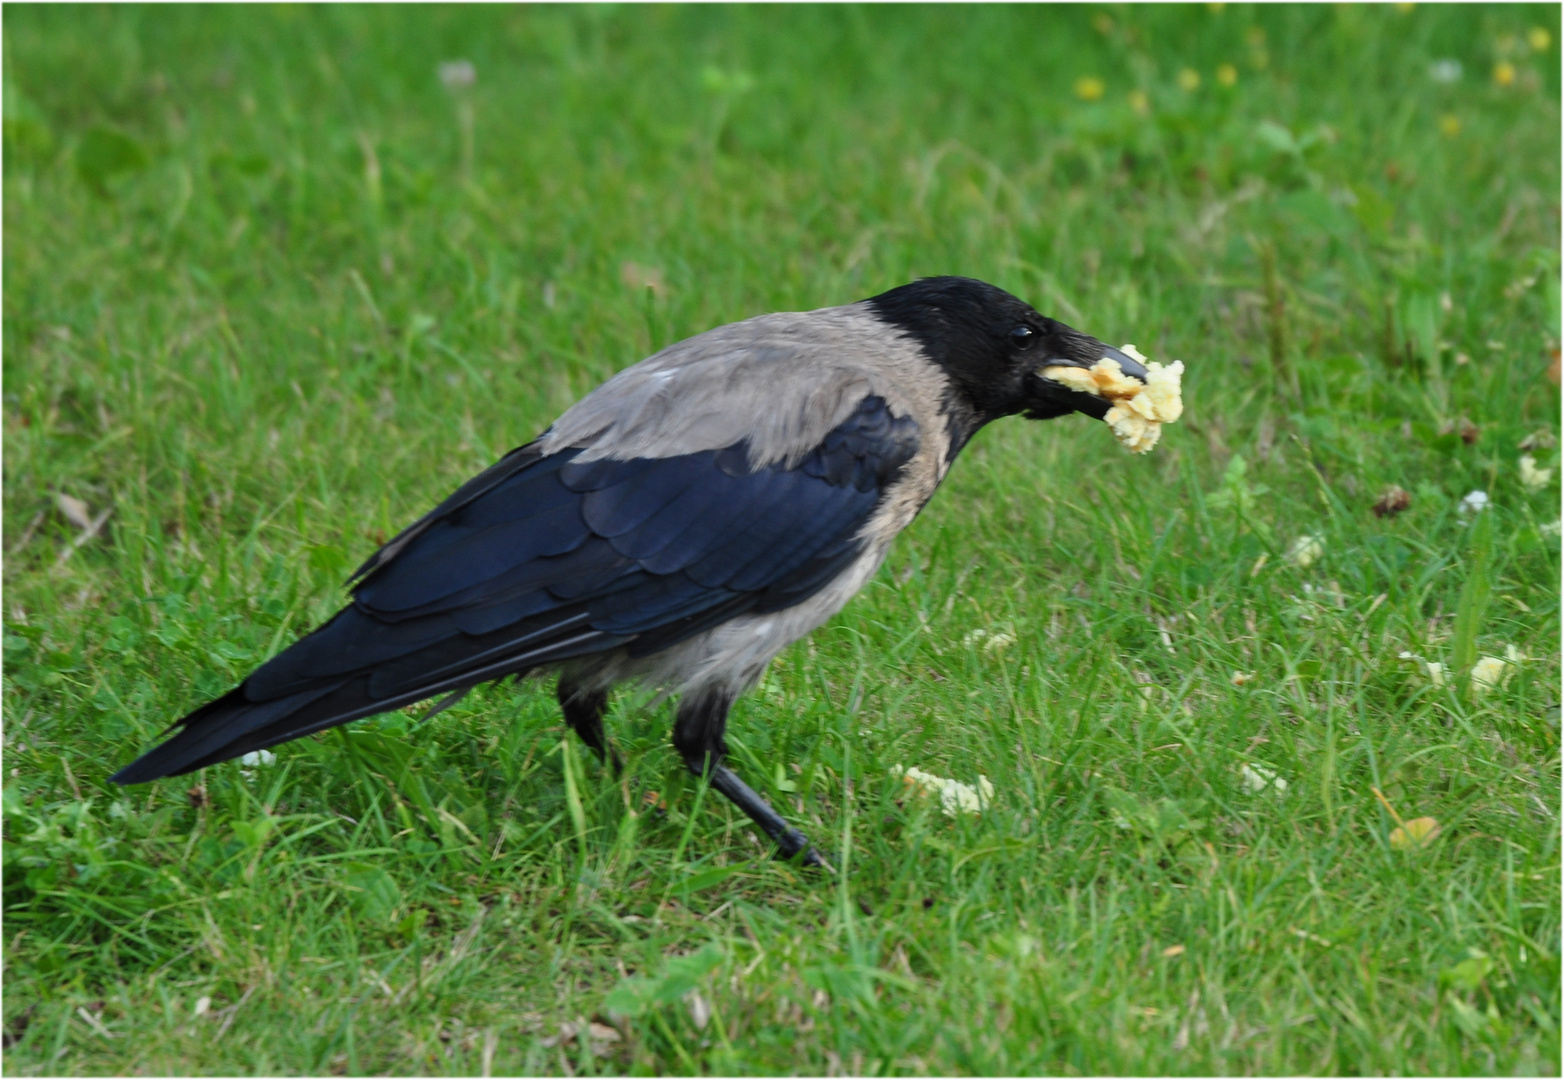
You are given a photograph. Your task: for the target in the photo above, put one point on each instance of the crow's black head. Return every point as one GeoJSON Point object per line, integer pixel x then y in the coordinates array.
{"type": "Point", "coordinates": [994, 346]}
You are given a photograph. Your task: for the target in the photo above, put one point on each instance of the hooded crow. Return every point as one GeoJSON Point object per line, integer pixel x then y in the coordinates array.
{"type": "Point", "coordinates": [680, 525]}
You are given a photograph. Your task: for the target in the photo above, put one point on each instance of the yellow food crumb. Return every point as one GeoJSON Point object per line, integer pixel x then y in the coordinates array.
{"type": "Point", "coordinates": [1139, 409]}
{"type": "Point", "coordinates": [1256, 778]}
{"type": "Point", "coordinates": [1306, 551]}
{"type": "Point", "coordinates": [1417, 833]}
{"type": "Point", "coordinates": [1487, 674]}
{"type": "Point", "coordinates": [1533, 478]}
{"type": "Point", "coordinates": [955, 797]}
{"type": "Point", "coordinates": [1073, 377]}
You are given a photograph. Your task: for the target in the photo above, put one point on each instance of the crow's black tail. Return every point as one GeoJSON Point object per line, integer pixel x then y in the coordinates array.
{"type": "Point", "coordinates": [281, 701]}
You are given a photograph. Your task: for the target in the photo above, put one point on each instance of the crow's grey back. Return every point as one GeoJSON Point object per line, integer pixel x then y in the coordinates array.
{"type": "Point", "coordinates": [782, 381]}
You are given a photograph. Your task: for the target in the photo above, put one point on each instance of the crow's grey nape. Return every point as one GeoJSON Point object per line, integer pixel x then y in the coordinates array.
{"type": "Point", "coordinates": [964, 327]}
{"type": "Point", "coordinates": [967, 328]}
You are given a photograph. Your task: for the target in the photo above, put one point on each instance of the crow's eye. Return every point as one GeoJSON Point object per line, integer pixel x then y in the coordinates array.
{"type": "Point", "coordinates": [1021, 336]}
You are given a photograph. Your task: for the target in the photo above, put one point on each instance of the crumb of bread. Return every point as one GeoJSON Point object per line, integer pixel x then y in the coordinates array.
{"type": "Point", "coordinates": [1073, 377]}
{"type": "Point", "coordinates": [1139, 409]}
{"type": "Point", "coordinates": [955, 797]}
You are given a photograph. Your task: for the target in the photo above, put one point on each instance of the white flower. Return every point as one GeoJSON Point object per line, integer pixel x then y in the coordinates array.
{"type": "Point", "coordinates": [458, 74]}
{"type": "Point", "coordinates": [992, 641]}
{"type": "Point", "coordinates": [258, 757]}
{"type": "Point", "coordinates": [1474, 502]}
{"type": "Point", "coordinates": [1533, 478]}
{"type": "Point", "coordinates": [1257, 778]}
{"type": "Point", "coordinates": [1445, 71]}
{"type": "Point", "coordinates": [1305, 551]}
{"type": "Point", "coordinates": [955, 797]}
{"type": "Point", "coordinates": [1000, 641]}
{"type": "Point", "coordinates": [1487, 674]}
{"type": "Point", "coordinates": [1552, 528]}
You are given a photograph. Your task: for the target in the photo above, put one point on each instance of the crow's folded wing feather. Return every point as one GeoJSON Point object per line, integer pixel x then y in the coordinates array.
{"type": "Point", "coordinates": [545, 558]}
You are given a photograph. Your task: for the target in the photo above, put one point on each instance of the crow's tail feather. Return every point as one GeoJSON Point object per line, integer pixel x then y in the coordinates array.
{"type": "Point", "coordinates": [234, 725]}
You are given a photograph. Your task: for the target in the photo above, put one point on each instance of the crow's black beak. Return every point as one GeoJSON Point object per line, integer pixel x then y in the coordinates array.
{"type": "Point", "coordinates": [1133, 368]}
{"type": "Point", "coordinates": [1054, 397]}
{"type": "Point", "coordinates": [1130, 366]}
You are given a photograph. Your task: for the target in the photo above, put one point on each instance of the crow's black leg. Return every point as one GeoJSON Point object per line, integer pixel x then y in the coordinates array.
{"type": "Point", "coordinates": [698, 736]}
{"type": "Point", "coordinates": [584, 711]}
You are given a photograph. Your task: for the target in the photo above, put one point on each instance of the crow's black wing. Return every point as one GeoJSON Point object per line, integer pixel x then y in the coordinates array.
{"type": "Point", "coordinates": [541, 559]}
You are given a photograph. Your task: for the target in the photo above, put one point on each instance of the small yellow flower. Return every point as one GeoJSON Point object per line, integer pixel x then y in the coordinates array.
{"type": "Point", "coordinates": [1189, 79]}
{"type": "Point", "coordinates": [1504, 73]}
{"type": "Point", "coordinates": [1216, 9]}
{"type": "Point", "coordinates": [1450, 125]}
{"type": "Point", "coordinates": [1089, 88]}
{"type": "Point", "coordinates": [1404, 8]}
{"type": "Point", "coordinates": [1140, 102]}
{"type": "Point", "coordinates": [1539, 39]}
{"type": "Point", "coordinates": [1226, 74]}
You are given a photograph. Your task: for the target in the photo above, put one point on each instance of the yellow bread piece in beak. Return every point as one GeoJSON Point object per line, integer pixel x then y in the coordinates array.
{"type": "Point", "coordinates": [1139, 409]}
{"type": "Point", "coordinates": [1075, 378]}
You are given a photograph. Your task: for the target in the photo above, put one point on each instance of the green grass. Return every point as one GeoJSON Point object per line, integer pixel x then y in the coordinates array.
{"type": "Point", "coordinates": [270, 290]}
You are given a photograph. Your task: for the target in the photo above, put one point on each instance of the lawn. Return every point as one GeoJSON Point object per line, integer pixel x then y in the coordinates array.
{"type": "Point", "coordinates": [277, 279]}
